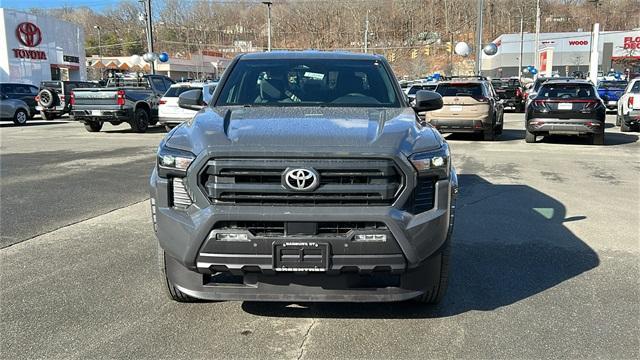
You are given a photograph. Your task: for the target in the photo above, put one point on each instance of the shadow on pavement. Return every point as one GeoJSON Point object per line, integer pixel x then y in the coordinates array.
{"type": "Point", "coordinates": [33, 122]}
{"type": "Point", "coordinates": [507, 135]}
{"type": "Point", "coordinates": [610, 139]}
{"type": "Point", "coordinates": [510, 243]}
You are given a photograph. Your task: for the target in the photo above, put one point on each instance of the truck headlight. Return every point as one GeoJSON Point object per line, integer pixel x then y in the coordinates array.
{"type": "Point", "coordinates": [436, 162]}
{"type": "Point", "coordinates": [173, 161]}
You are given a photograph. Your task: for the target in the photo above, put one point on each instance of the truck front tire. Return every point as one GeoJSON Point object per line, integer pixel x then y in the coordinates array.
{"type": "Point", "coordinates": [140, 122]}
{"type": "Point", "coordinates": [168, 288]}
{"type": "Point", "coordinates": [434, 274]}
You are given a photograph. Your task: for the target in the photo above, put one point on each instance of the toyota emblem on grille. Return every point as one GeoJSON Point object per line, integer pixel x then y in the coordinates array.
{"type": "Point", "coordinates": [301, 179]}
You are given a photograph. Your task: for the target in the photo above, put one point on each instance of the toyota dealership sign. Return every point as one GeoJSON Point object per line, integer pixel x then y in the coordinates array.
{"type": "Point", "coordinates": [38, 47]}
{"type": "Point", "coordinates": [30, 36]}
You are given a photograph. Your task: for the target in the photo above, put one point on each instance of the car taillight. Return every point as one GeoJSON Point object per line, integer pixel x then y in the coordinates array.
{"type": "Point", "coordinates": [72, 98]}
{"type": "Point", "coordinates": [631, 102]}
{"type": "Point", "coordinates": [540, 105]}
{"type": "Point", "coordinates": [590, 105]}
{"type": "Point", "coordinates": [120, 99]}
{"type": "Point", "coordinates": [162, 102]}
{"type": "Point", "coordinates": [37, 98]}
{"type": "Point", "coordinates": [62, 97]}
{"type": "Point", "coordinates": [518, 92]}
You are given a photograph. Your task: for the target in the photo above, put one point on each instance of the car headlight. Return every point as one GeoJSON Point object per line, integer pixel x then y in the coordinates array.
{"type": "Point", "coordinates": [433, 163]}
{"type": "Point", "coordinates": [173, 161]}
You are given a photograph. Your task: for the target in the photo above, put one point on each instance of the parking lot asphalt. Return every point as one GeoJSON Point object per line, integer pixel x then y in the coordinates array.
{"type": "Point", "coordinates": [545, 260]}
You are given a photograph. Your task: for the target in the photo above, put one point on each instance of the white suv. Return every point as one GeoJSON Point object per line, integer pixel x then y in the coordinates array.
{"type": "Point", "coordinates": [170, 114]}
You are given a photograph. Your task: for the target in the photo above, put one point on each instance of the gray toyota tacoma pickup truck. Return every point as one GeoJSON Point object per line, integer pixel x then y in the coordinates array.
{"type": "Point", "coordinates": [307, 178]}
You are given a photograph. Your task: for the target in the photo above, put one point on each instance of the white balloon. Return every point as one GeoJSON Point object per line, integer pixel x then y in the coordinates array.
{"type": "Point", "coordinates": [462, 49]}
{"type": "Point", "coordinates": [136, 59]}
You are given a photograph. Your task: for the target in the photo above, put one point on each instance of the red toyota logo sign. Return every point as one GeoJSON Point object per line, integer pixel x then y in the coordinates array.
{"type": "Point", "coordinates": [29, 34]}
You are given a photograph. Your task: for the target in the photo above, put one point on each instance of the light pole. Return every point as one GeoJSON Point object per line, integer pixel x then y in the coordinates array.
{"type": "Point", "coordinates": [479, 37]}
{"type": "Point", "coordinates": [147, 18]}
{"type": "Point", "coordinates": [97, 27]}
{"type": "Point", "coordinates": [268, 3]}
{"type": "Point", "coordinates": [366, 33]}
{"type": "Point", "coordinates": [521, 45]}
{"type": "Point", "coordinates": [536, 45]}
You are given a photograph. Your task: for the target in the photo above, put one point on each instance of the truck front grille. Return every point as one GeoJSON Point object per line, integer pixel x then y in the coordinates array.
{"type": "Point", "coordinates": [341, 182]}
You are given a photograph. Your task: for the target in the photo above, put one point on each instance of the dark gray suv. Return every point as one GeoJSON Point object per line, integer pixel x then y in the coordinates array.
{"type": "Point", "coordinates": [307, 178]}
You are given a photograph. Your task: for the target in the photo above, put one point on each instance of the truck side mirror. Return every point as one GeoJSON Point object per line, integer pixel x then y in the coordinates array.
{"type": "Point", "coordinates": [427, 101]}
{"type": "Point", "coordinates": [191, 100]}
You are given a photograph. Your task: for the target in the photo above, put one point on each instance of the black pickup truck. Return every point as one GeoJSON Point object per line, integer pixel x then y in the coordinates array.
{"type": "Point", "coordinates": [133, 100]}
{"type": "Point", "coordinates": [511, 91]}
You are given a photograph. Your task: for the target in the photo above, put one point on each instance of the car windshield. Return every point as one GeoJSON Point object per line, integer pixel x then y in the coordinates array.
{"type": "Point", "coordinates": [309, 82]}
{"type": "Point", "coordinates": [460, 89]}
{"type": "Point", "coordinates": [612, 85]}
{"type": "Point", "coordinates": [567, 91]}
{"type": "Point", "coordinates": [635, 88]}
{"type": "Point", "coordinates": [177, 90]}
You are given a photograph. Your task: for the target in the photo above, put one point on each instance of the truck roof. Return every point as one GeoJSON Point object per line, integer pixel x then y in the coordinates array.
{"type": "Point", "coordinates": [311, 54]}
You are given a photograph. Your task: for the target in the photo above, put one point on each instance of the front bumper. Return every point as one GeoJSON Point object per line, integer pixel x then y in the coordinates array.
{"type": "Point", "coordinates": [564, 126]}
{"type": "Point", "coordinates": [195, 259]}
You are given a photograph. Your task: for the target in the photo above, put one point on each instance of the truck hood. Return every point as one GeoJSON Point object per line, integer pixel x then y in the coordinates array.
{"type": "Point", "coordinates": [304, 129]}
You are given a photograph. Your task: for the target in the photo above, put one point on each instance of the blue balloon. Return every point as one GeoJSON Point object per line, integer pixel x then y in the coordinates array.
{"type": "Point", "coordinates": [533, 71]}
{"type": "Point", "coordinates": [163, 57]}
{"type": "Point", "coordinates": [530, 68]}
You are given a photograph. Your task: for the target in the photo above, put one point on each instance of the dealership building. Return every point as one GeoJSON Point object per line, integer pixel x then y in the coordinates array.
{"type": "Point", "coordinates": [564, 53]}
{"type": "Point", "coordinates": [34, 48]}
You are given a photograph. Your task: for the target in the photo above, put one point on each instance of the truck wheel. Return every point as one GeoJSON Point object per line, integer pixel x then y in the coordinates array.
{"type": "Point", "coordinates": [140, 122]}
{"type": "Point", "coordinates": [169, 289]}
{"type": "Point", "coordinates": [624, 127]}
{"type": "Point", "coordinates": [20, 117]}
{"type": "Point", "coordinates": [500, 128]}
{"type": "Point", "coordinates": [93, 126]}
{"type": "Point", "coordinates": [489, 135]}
{"type": "Point", "coordinates": [47, 115]}
{"type": "Point", "coordinates": [434, 275]}
{"type": "Point", "coordinates": [597, 139]}
{"type": "Point", "coordinates": [529, 137]}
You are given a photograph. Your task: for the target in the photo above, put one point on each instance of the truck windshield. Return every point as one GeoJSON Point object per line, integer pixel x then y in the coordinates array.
{"type": "Point", "coordinates": [309, 82]}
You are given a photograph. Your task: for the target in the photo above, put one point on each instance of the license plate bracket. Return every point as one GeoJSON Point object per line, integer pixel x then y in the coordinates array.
{"type": "Point", "coordinates": [300, 255]}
